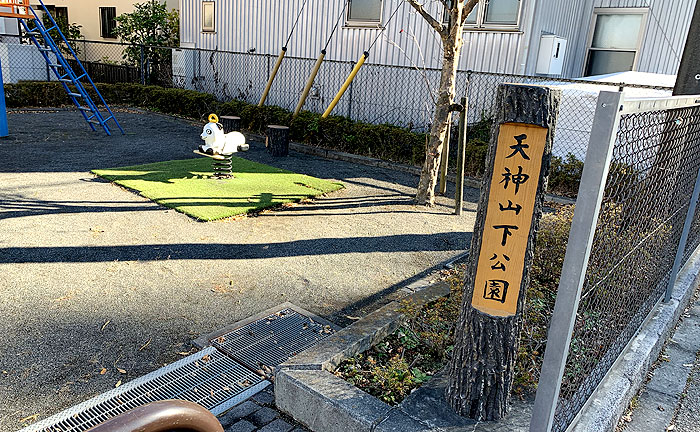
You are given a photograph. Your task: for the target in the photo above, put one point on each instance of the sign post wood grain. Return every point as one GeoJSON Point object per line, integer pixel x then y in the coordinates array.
{"type": "Point", "coordinates": [512, 193]}
{"type": "Point", "coordinates": [510, 206]}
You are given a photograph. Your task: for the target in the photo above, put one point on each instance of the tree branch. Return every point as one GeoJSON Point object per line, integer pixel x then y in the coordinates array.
{"type": "Point", "coordinates": [468, 7]}
{"type": "Point", "coordinates": [432, 21]}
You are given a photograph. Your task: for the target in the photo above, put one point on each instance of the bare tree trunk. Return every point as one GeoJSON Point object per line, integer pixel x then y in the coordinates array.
{"type": "Point", "coordinates": [452, 47]}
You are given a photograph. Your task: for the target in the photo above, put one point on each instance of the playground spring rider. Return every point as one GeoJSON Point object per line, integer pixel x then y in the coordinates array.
{"type": "Point", "coordinates": [220, 146]}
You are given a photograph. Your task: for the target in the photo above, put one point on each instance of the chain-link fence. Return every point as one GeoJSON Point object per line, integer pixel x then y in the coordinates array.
{"type": "Point", "coordinates": [576, 111]}
{"type": "Point", "coordinates": [646, 198]}
{"type": "Point", "coordinates": [395, 95]}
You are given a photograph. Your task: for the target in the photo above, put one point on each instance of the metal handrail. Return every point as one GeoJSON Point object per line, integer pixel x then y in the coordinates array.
{"type": "Point", "coordinates": [162, 416]}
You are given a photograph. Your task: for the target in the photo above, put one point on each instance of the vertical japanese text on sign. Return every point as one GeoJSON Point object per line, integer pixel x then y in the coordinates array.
{"type": "Point", "coordinates": [509, 212]}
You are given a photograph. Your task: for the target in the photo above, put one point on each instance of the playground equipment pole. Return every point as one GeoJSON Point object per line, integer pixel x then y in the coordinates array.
{"type": "Point", "coordinates": [309, 84]}
{"type": "Point", "coordinates": [272, 76]}
{"type": "Point", "coordinates": [345, 86]}
{"type": "Point", "coordinates": [281, 57]}
{"type": "Point", "coordinates": [4, 131]}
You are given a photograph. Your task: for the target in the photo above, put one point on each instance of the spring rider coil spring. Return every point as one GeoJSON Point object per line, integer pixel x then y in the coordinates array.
{"type": "Point", "coordinates": [222, 167]}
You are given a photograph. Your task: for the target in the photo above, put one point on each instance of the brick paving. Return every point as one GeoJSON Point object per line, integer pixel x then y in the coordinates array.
{"type": "Point", "coordinates": [258, 414]}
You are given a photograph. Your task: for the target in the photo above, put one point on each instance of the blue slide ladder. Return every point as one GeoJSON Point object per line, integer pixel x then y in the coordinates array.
{"type": "Point", "coordinates": [70, 79]}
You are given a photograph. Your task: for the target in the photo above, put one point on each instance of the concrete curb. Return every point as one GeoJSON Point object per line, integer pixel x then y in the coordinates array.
{"type": "Point", "coordinates": [611, 398]}
{"type": "Point", "coordinates": [328, 353]}
{"type": "Point", "coordinates": [306, 388]}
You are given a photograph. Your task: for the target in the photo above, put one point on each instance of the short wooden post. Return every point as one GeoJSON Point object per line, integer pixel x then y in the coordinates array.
{"type": "Point", "coordinates": [502, 247]}
{"type": "Point", "coordinates": [461, 146]}
{"type": "Point", "coordinates": [277, 140]}
{"type": "Point", "coordinates": [230, 123]}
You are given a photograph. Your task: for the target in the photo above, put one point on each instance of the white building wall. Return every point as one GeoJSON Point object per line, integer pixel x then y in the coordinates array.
{"type": "Point", "coordinates": [22, 63]}
{"type": "Point", "coordinates": [264, 25]}
{"type": "Point", "coordinates": [87, 13]}
{"type": "Point", "coordinates": [667, 28]}
{"type": "Point", "coordinates": [569, 20]}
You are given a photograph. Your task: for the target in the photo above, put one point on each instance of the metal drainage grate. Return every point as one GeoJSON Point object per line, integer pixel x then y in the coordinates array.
{"type": "Point", "coordinates": [272, 340]}
{"type": "Point", "coordinates": [208, 378]}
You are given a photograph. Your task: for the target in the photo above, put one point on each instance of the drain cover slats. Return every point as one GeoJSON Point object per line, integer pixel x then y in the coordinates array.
{"type": "Point", "coordinates": [217, 378]}
{"type": "Point", "coordinates": [209, 378]}
{"type": "Point", "coordinates": [273, 339]}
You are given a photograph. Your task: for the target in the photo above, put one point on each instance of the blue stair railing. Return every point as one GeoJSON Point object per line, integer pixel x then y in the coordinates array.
{"type": "Point", "coordinates": [71, 80]}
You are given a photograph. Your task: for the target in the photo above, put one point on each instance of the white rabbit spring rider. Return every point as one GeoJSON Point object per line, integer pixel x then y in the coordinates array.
{"type": "Point", "coordinates": [220, 146]}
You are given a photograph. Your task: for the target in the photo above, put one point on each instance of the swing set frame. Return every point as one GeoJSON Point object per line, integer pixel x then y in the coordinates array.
{"type": "Point", "coordinates": [319, 61]}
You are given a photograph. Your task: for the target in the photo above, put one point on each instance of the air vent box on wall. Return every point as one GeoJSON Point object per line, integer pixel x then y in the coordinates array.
{"type": "Point", "coordinates": [550, 60]}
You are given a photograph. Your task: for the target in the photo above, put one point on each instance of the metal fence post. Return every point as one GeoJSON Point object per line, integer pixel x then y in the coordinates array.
{"type": "Point", "coordinates": [461, 146]}
{"type": "Point", "coordinates": [583, 227]}
{"type": "Point", "coordinates": [141, 64]}
{"type": "Point", "coordinates": [684, 238]}
{"type": "Point", "coordinates": [466, 92]}
{"type": "Point", "coordinates": [352, 84]}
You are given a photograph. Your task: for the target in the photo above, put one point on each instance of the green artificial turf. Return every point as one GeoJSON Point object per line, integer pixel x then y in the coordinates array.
{"type": "Point", "coordinates": [189, 187]}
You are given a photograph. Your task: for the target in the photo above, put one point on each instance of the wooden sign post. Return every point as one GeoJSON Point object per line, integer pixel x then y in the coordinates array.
{"type": "Point", "coordinates": [512, 193]}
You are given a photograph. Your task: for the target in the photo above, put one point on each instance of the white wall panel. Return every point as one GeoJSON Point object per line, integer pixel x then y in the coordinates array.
{"type": "Point", "coordinates": [408, 40]}
{"type": "Point", "coordinates": [666, 30]}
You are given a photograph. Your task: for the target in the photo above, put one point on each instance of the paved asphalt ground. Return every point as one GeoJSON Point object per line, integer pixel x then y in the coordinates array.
{"type": "Point", "coordinates": [96, 278]}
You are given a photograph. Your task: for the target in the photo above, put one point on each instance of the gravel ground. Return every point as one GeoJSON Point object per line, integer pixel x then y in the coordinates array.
{"type": "Point", "coordinates": [94, 276]}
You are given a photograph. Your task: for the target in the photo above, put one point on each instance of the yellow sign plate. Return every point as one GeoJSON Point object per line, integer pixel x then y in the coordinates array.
{"type": "Point", "coordinates": [508, 218]}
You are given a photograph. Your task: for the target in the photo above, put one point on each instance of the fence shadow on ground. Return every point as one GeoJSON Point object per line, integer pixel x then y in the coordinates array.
{"type": "Point", "coordinates": [445, 241]}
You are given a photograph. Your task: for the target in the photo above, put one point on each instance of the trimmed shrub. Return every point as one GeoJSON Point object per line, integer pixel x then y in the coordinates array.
{"type": "Point", "coordinates": [34, 94]}
{"type": "Point", "coordinates": [383, 141]}
{"type": "Point", "coordinates": [565, 175]}
{"type": "Point", "coordinates": [475, 157]}
{"type": "Point", "coordinates": [336, 133]}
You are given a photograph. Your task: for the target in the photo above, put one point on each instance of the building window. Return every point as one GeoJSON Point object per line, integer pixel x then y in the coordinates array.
{"type": "Point", "coordinates": [208, 23]}
{"type": "Point", "coordinates": [616, 35]}
{"type": "Point", "coordinates": [108, 22]}
{"type": "Point", "coordinates": [365, 12]}
{"type": "Point", "coordinates": [59, 14]}
{"type": "Point", "coordinates": [492, 14]}
{"type": "Point", "coordinates": [471, 18]}
{"type": "Point", "coordinates": [504, 12]}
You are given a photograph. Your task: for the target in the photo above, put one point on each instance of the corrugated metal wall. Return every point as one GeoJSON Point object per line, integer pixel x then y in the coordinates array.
{"type": "Point", "coordinates": [666, 31]}
{"type": "Point", "coordinates": [569, 20]}
{"type": "Point", "coordinates": [265, 24]}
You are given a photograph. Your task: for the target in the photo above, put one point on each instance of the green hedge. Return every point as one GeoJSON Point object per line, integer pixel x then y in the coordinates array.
{"type": "Point", "coordinates": [384, 141]}
{"type": "Point", "coordinates": [337, 133]}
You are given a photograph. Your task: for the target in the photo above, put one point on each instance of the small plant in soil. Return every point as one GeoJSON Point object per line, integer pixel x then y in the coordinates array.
{"type": "Point", "coordinates": [404, 360]}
